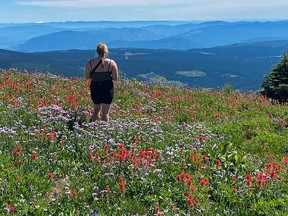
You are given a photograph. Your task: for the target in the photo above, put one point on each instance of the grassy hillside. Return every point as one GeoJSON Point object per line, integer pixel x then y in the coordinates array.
{"type": "Point", "coordinates": [166, 150]}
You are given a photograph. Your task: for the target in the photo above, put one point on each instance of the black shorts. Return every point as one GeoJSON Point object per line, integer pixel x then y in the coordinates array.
{"type": "Point", "coordinates": [102, 92]}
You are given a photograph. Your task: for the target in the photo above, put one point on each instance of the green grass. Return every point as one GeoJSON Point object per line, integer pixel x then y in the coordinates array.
{"type": "Point", "coordinates": [177, 150]}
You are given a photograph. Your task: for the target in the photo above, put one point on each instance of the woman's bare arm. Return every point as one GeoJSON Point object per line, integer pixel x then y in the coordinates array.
{"type": "Point", "coordinates": [88, 71]}
{"type": "Point", "coordinates": [114, 71]}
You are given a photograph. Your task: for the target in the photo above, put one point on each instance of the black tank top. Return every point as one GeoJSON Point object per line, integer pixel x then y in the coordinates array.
{"type": "Point", "coordinates": [102, 76]}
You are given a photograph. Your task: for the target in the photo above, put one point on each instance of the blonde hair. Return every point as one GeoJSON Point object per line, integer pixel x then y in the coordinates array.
{"type": "Point", "coordinates": [102, 50]}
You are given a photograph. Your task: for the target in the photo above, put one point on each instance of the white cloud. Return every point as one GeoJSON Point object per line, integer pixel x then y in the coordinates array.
{"type": "Point", "coordinates": [160, 9]}
{"type": "Point", "coordinates": [157, 3]}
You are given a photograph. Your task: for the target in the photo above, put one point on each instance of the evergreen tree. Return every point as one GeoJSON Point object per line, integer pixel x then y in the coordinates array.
{"type": "Point", "coordinates": [275, 85]}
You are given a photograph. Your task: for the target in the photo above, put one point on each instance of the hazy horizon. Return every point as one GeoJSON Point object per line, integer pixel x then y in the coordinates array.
{"type": "Point", "coordinates": [180, 21]}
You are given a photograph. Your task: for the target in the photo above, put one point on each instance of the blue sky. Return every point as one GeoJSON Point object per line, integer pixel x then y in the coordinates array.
{"type": "Point", "coordinates": [14, 11]}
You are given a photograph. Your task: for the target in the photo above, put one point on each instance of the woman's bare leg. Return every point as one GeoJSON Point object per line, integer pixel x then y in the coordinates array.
{"type": "Point", "coordinates": [105, 112]}
{"type": "Point", "coordinates": [96, 112]}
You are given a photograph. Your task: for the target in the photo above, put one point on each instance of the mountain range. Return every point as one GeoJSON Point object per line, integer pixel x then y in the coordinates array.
{"type": "Point", "coordinates": [32, 37]}
{"type": "Point", "coordinates": [194, 54]}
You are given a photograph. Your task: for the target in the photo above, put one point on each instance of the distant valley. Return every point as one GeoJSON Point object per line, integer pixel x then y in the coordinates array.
{"type": "Point", "coordinates": [194, 54]}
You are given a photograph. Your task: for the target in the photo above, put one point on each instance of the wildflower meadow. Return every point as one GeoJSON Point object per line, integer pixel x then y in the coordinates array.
{"type": "Point", "coordinates": [165, 151]}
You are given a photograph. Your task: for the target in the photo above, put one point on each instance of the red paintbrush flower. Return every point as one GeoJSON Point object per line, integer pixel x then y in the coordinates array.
{"type": "Point", "coordinates": [50, 175]}
{"type": "Point", "coordinates": [34, 155]}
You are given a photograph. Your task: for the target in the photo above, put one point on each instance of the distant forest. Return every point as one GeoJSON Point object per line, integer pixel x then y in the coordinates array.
{"type": "Point", "coordinates": [241, 65]}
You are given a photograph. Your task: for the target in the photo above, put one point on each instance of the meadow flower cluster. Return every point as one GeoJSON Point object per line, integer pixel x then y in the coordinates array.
{"type": "Point", "coordinates": [165, 151]}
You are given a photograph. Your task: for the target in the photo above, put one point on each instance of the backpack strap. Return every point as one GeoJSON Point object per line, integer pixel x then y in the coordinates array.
{"type": "Point", "coordinates": [94, 69]}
